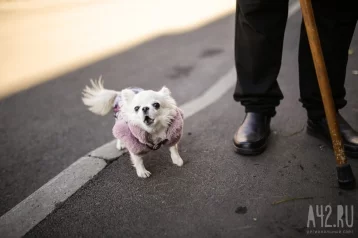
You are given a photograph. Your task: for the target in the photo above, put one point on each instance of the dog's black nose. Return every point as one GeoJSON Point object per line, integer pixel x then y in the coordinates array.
{"type": "Point", "coordinates": [145, 109]}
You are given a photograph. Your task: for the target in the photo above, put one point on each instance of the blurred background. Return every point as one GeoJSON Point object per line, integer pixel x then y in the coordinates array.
{"type": "Point", "coordinates": [42, 39]}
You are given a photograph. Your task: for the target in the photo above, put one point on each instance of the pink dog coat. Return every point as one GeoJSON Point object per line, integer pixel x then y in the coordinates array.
{"type": "Point", "coordinates": [137, 140]}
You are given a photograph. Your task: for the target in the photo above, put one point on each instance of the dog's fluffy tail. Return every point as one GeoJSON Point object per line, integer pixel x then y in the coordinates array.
{"type": "Point", "coordinates": [98, 99]}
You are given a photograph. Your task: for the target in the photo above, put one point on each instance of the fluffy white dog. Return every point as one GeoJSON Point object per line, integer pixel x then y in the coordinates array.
{"type": "Point", "coordinates": [145, 120]}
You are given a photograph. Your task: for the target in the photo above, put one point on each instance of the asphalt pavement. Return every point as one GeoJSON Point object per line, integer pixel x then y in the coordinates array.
{"type": "Point", "coordinates": [217, 193]}
{"type": "Point", "coordinates": [46, 128]}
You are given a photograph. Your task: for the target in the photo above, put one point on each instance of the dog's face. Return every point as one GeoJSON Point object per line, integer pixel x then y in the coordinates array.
{"type": "Point", "coordinates": [148, 109]}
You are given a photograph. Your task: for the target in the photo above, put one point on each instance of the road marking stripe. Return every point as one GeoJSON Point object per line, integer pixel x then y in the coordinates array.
{"type": "Point", "coordinates": [42, 202]}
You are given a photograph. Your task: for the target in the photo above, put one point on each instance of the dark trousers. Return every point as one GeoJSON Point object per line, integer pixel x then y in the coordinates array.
{"type": "Point", "coordinates": [260, 26]}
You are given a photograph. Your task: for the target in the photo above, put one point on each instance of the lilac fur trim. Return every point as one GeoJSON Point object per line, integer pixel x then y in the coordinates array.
{"type": "Point", "coordinates": [135, 138]}
{"type": "Point", "coordinates": [121, 131]}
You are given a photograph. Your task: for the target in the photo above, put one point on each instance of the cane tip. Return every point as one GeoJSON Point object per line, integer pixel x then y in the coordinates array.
{"type": "Point", "coordinates": [345, 177]}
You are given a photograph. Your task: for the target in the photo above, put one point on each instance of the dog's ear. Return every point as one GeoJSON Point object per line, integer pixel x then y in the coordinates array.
{"type": "Point", "coordinates": [127, 95]}
{"type": "Point", "coordinates": [165, 91]}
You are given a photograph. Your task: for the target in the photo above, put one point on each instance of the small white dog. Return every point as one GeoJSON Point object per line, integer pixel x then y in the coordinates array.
{"type": "Point", "coordinates": [145, 120]}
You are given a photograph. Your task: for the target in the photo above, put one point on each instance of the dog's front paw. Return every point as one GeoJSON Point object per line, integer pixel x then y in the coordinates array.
{"type": "Point", "coordinates": [143, 173]}
{"type": "Point", "coordinates": [177, 160]}
{"type": "Point", "coordinates": [120, 145]}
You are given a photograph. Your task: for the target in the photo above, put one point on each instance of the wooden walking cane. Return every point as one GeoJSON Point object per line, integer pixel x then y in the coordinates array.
{"type": "Point", "coordinates": [345, 175]}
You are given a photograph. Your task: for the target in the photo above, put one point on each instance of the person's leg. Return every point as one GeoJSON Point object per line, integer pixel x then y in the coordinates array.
{"type": "Point", "coordinates": [336, 21]}
{"type": "Point", "coordinates": [259, 35]}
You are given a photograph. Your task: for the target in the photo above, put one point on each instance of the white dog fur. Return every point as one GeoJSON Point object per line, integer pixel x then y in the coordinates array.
{"type": "Point", "coordinates": [100, 101]}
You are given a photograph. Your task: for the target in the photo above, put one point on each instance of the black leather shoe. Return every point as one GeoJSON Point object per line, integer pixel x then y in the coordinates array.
{"type": "Point", "coordinates": [319, 129]}
{"type": "Point", "coordinates": [252, 136]}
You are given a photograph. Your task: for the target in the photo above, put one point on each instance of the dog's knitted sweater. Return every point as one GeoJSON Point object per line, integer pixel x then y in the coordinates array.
{"type": "Point", "coordinates": [137, 140]}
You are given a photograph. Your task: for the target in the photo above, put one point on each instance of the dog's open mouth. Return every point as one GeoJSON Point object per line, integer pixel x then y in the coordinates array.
{"type": "Point", "coordinates": [148, 120]}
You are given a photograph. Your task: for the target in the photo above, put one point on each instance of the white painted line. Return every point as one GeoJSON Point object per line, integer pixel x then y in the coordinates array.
{"type": "Point", "coordinates": [107, 151]}
{"type": "Point", "coordinates": [214, 93]}
{"type": "Point", "coordinates": [28, 213]}
{"type": "Point", "coordinates": [293, 9]}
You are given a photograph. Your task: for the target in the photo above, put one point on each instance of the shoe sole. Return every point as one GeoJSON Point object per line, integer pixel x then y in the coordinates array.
{"type": "Point", "coordinates": [311, 132]}
{"type": "Point", "coordinates": [251, 152]}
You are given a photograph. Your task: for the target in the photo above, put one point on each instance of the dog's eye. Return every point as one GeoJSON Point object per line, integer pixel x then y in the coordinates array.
{"type": "Point", "coordinates": [136, 108]}
{"type": "Point", "coordinates": [156, 105]}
